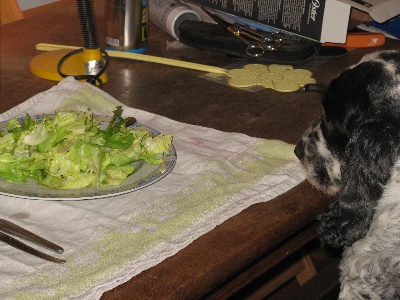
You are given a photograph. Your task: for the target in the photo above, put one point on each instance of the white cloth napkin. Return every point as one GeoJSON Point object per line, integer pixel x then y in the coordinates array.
{"type": "Point", "coordinates": [107, 241]}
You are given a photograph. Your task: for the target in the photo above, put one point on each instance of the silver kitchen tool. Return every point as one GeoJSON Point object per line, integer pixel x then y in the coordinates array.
{"type": "Point", "coordinates": [7, 229]}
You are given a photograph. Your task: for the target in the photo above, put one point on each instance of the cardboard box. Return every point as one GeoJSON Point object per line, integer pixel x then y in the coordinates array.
{"type": "Point", "coordinates": [379, 10]}
{"type": "Point", "coordinates": [319, 20]}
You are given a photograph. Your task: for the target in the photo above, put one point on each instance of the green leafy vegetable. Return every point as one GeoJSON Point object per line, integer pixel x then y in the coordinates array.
{"type": "Point", "coordinates": [71, 151]}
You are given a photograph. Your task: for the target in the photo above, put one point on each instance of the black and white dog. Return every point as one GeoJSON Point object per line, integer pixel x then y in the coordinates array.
{"type": "Point", "coordinates": [352, 154]}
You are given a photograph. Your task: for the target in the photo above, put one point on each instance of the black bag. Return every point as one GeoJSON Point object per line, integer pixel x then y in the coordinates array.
{"type": "Point", "coordinates": [291, 50]}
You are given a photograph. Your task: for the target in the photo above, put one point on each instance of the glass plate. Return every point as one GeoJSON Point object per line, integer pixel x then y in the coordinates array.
{"type": "Point", "coordinates": [145, 175]}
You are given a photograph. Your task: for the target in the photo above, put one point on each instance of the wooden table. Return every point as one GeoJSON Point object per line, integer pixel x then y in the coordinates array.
{"type": "Point", "coordinates": [235, 253]}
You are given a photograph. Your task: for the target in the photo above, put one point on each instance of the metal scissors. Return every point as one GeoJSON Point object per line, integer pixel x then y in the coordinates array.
{"type": "Point", "coordinates": [259, 42]}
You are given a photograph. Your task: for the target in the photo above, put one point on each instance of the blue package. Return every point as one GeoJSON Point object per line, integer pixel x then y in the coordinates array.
{"type": "Point", "coordinates": [390, 27]}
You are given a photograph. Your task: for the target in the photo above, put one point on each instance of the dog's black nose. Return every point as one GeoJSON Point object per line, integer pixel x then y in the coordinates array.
{"type": "Point", "coordinates": [299, 150]}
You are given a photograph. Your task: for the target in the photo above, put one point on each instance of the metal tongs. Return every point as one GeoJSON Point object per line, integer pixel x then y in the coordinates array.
{"type": "Point", "coordinates": [257, 41]}
{"type": "Point", "coordinates": [8, 228]}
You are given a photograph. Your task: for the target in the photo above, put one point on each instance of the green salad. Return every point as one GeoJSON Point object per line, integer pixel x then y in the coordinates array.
{"type": "Point", "coordinates": [70, 151]}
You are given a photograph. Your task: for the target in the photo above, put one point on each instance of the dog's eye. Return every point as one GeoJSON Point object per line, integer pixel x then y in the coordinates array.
{"type": "Point", "coordinates": [336, 140]}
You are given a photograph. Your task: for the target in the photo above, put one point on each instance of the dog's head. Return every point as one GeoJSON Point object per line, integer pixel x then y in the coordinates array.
{"type": "Point", "coordinates": [350, 150]}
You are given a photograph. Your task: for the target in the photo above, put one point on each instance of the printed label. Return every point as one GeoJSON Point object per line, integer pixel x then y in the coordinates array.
{"type": "Point", "coordinates": [112, 42]}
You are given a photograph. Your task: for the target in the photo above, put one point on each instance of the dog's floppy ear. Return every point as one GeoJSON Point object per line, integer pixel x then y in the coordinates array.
{"type": "Point", "coordinates": [369, 157]}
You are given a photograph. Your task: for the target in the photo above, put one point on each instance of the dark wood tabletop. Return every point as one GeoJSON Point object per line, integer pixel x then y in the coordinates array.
{"type": "Point", "coordinates": [226, 259]}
